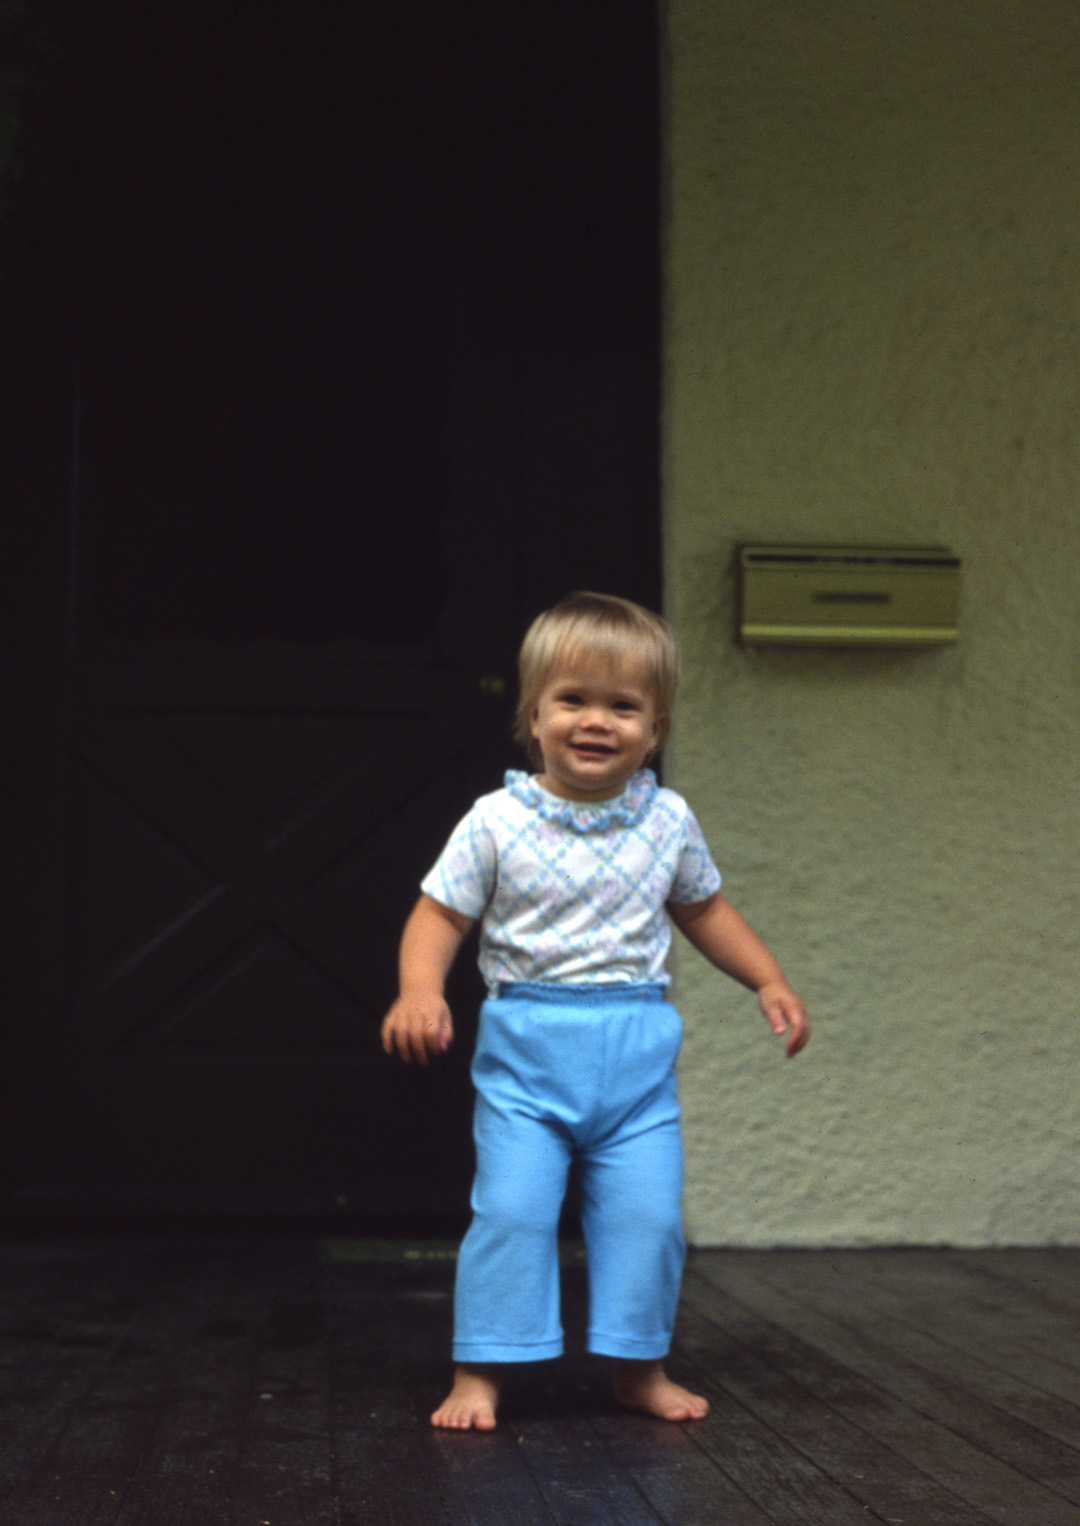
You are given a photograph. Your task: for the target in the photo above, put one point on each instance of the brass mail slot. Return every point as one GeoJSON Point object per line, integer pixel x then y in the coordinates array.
{"type": "Point", "coordinates": [848, 596]}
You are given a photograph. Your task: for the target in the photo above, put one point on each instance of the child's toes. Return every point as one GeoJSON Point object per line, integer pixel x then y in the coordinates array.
{"type": "Point", "coordinates": [470, 1404]}
{"type": "Point", "coordinates": [646, 1387]}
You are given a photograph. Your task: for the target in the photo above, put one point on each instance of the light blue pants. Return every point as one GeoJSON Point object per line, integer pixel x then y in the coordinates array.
{"type": "Point", "coordinates": [564, 1073]}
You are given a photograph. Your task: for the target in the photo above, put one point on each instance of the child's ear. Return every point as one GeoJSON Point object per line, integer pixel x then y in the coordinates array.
{"type": "Point", "coordinates": [534, 721]}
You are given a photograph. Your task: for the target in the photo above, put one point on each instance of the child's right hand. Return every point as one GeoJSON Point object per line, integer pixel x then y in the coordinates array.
{"type": "Point", "coordinates": [418, 1027]}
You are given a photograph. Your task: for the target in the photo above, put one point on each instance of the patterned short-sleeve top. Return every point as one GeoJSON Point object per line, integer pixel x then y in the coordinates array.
{"type": "Point", "coordinates": [571, 890]}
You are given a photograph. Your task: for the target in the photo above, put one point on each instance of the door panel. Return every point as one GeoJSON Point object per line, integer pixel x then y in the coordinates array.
{"type": "Point", "coordinates": [351, 371]}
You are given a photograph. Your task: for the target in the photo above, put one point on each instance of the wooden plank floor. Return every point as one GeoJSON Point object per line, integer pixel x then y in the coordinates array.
{"type": "Point", "coordinates": [232, 1379]}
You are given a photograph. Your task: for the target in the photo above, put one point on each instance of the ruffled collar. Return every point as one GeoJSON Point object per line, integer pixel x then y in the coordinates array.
{"type": "Point", "coordinates": [586, 815]}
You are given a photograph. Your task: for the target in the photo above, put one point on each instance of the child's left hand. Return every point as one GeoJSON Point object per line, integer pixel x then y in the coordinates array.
{"type": "Point", "coordinates": [785, 1013]}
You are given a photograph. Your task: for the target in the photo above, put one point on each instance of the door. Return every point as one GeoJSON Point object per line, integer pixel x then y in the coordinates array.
{"type": "Point", "coordinates": [341, 333]}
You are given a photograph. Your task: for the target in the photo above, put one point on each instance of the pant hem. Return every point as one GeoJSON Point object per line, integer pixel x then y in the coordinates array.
{"type": "Point", "coordinates": [628, 1350]}
{"type": "Point", "coordinates": [475, 1355]}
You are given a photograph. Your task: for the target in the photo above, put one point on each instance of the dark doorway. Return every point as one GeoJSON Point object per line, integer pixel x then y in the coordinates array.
{"type": "Point", "coordinates": [331, 357]}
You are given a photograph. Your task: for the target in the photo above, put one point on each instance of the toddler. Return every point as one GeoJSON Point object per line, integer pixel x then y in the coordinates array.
{"type": "Point", "coordinates": [574, 873]}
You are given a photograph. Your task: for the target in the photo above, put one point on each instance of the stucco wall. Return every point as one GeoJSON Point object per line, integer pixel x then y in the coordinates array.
{"type": "Point", "coordinates": [873, 336]}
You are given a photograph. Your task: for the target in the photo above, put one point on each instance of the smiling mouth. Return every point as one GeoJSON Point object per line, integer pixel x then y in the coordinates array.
{"type": "Point", "coordinates": [592, 750]}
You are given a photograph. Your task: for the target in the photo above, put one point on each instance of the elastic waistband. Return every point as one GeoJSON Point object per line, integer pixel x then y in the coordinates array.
{"type": "Point", "coordinates": [590, 993]}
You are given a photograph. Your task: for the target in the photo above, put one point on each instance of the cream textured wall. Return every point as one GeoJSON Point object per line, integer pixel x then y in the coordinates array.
{"type": "Point", "coordinates": [873, 336]}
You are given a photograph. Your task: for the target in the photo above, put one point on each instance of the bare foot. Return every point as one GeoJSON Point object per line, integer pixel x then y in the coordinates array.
{"type": "Point", "coordinates": [646, 1386]}
{"type": "Point", "coordinates": [470, 1404]}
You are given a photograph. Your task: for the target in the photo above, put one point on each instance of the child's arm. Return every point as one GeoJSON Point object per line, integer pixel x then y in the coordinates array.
{"type": "Point", "coordinates": [419, 1025]}
{"type": "Point", "coordinates": [716, 930]}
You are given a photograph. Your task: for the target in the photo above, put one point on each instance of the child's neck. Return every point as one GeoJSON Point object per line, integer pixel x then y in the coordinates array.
{"type": "Point", "coordinates": [562, 792]}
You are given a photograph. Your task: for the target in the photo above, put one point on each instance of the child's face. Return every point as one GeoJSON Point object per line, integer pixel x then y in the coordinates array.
{"type": "Point", "coordinates": [595, 723]}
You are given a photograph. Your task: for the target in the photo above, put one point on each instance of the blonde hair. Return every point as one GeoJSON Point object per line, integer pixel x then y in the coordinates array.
{"type": "Point", "coordinates": [599, 626]}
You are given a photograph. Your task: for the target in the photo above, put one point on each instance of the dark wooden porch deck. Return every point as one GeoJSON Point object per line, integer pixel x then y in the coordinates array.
{"type": "Point", "coordinates": [261, 1379]}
